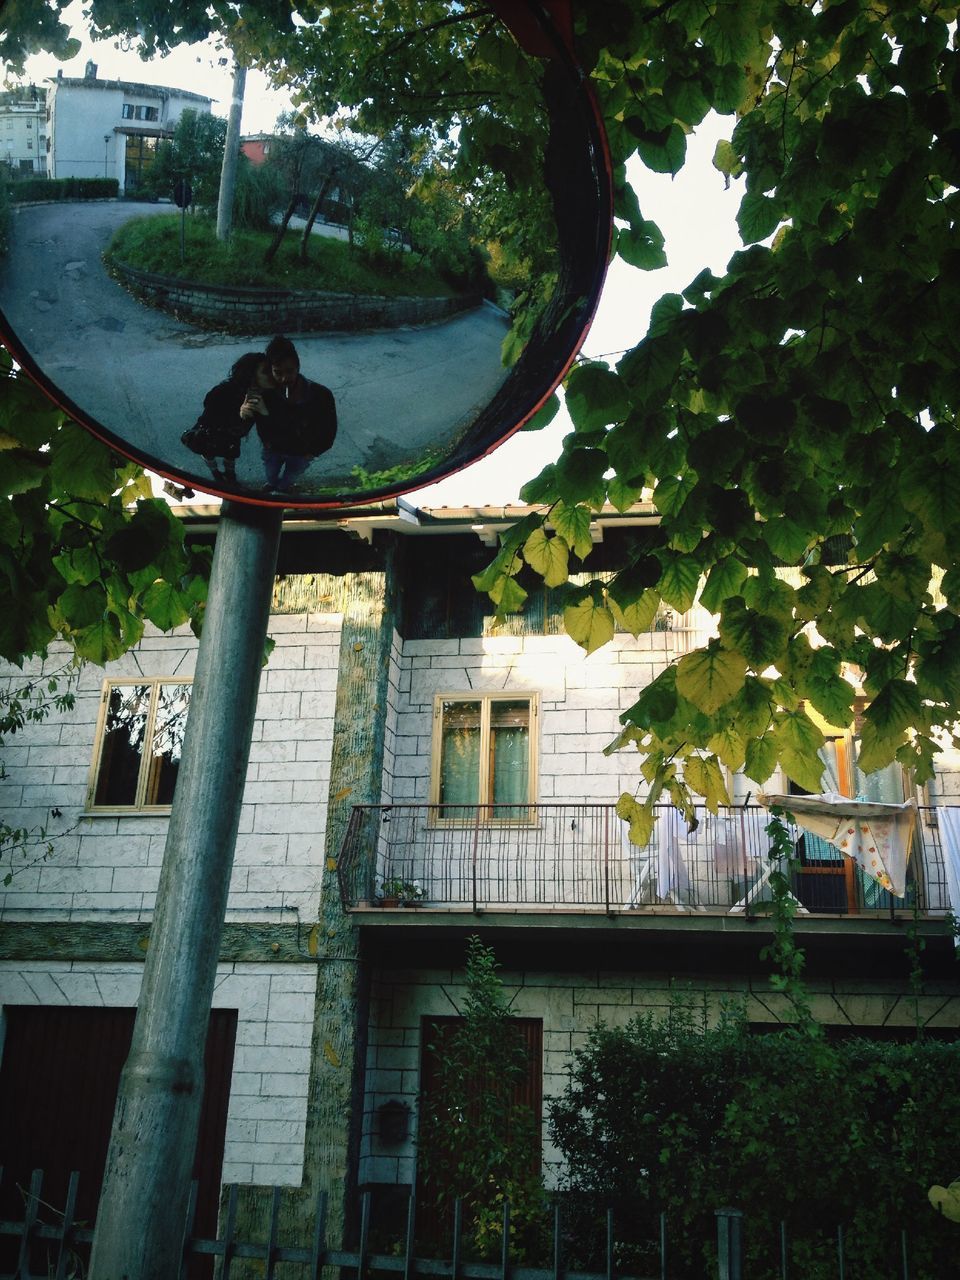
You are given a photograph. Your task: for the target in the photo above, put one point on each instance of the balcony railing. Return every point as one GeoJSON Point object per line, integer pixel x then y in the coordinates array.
{"type": "Point", "coordinates": [577, 857]}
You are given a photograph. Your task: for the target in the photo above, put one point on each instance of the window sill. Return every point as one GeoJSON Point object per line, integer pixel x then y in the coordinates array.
{"type": "Point", "coordinates": [160, 811]}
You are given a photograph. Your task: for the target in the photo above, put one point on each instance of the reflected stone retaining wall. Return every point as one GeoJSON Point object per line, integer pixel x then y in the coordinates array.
{"type": "Point", "coordinates": [251, 310]}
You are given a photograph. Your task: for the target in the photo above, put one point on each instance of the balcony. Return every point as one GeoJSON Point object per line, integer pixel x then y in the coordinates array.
{"type": "Point", "coordinates": [577, 858]}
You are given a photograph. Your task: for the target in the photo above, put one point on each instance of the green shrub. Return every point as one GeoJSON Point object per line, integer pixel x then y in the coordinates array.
{"type": "Point", "coordinates": [152, 243]}
{"type": "Point", "coordinates": [30, 189]}
{"type": "Point", "coordinates": [4, 219]}
{"type": "Point", "coordinates": [476, 1140]}
{"type": "Point", "coordinates": [674, 1115]}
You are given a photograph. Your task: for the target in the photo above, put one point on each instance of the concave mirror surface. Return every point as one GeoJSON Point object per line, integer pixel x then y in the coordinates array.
{"type": "Point", "coordinates": [420, 211]}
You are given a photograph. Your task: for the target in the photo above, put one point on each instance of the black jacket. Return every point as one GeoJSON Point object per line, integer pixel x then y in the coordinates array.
{"type": "Point", "coordinates": [306, 426]}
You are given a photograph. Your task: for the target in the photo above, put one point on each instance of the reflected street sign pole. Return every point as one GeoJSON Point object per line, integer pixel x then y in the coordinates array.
{"type": "Point", "coordinates": [140, 1224]}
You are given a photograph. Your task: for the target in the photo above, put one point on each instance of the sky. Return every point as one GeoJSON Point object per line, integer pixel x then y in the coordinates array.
{"type": "Point", "coordinates": [695, 211]}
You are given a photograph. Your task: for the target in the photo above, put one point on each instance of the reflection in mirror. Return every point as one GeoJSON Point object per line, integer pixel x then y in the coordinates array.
{"type": "Point", "coordinates": [140, 744]}
{"type": "Point", "coordinates": [424, 224]}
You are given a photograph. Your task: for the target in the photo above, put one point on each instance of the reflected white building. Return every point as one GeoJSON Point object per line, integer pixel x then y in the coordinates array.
{"type": "Point", "coordinates": [111, 128]}
{"type": "Point", "coordinates": [23, 130]}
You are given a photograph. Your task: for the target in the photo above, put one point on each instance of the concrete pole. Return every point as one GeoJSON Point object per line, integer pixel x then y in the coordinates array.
{"type": "Point", "coordinates": [143, 1203]}
{"type": "Point", "coordinates": [231, 152]}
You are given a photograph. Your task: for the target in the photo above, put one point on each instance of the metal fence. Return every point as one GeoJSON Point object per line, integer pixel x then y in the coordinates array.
{"type": "Point", "coordinates": [578, 856]}
{"type": "Point", "coordinates": [59, 1250]}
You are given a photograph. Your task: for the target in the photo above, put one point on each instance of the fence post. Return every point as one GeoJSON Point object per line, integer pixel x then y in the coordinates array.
{"type": "Point", "coordinates": [729, 1243]}
{"type": "Point", "coordinates": [505, 1251]}
{"type": "Point", "coordinates": [557, 1264]}
{"type": "Point", "coordinates": [476, 839]}
{"type": "Point", "coordinates": [783, 1251]}
{"type": "Point", "coordinates": [610, 1259]}
{"type": "Point", "coordinates": [457, 1236]}
{"type": "Point", "coordinates": [663, 1244]}
{"type": "Point", "coordinates": [68, 1224]}
{"type": "Point", "coordinates": [606, 857]}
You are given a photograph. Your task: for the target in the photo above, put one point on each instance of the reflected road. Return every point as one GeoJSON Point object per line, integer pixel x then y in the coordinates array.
{"type": "Point", "coordinates": [143, 374]}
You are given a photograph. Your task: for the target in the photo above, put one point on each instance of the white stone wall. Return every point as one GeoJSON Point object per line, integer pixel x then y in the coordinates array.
{"type": "Point", "coordinates": [581, 698]}
{"type": "Point", "coordinates": [390, 718]}
{"type": "Point", "coordinates": [570, 1004]}
{"type": "Point", "coordinates": [111, 863]}
{"type": "Point", "coordinates": [267, 1114]}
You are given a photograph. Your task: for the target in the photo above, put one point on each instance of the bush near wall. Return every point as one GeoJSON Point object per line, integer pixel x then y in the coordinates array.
{"type": "Point", "coordinates": [789, 1127]}
{"type": "Point", "coordinates": [65, 189]}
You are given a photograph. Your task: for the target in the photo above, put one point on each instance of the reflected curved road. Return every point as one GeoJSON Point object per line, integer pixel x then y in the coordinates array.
{"type": "Point", "coordinates": [143, 374]}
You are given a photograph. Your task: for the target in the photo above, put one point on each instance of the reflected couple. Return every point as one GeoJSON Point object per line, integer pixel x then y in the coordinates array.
{"type": "Point", "coordinates": [296, 418]}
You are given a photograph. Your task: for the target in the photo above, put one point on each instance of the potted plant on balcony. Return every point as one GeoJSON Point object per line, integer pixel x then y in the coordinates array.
{"type": "Point", "coordinates": [397, 892]}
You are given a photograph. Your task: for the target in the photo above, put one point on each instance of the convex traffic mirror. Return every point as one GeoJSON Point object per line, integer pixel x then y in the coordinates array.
{"type": "Point", "coordinates": [410, 256]}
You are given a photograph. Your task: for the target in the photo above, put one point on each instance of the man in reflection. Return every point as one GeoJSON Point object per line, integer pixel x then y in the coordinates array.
{"type": "Point", "coordinates": [300, 422]}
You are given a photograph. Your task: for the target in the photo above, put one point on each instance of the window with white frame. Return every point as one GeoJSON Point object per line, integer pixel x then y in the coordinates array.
{"type": "Point", "coordinates": [484, 753]}
{"type": "Point", "coordinates": [138, 745]}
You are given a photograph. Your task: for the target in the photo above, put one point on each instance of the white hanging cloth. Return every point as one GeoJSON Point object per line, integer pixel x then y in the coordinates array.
{"type": "Point", "coordinates": [948, 822]}
{"type": "Point", "coordinates": [877, 836]}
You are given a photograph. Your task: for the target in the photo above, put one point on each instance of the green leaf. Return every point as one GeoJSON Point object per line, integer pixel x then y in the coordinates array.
{"type": "Point", "coordinates": [101, 642]}
{"type": "Point", "coordinates": [753, 708]}
{"type": "Point", "coordinates": [82, 606]}
{"type": "Point", "coordinates": [931, 491]}
{"type": "Point", "coordinates": [758, 217]}
{"type": "Point", "coordinates": [621, 494]}
{"type": "Point", "coordinates": [638, 816]}
{"type": "Point", "coordinates": [81, 466]}
{"type": "Point", "coordinates": [878, 747]}
{"type": "Point", "coordinates": [826, 689]}
{"type": "Point", "coordinates": [638, 616]}
{"type": "Point", "coordinates": [672, 492]}
{"type": "Point", "coordinates": [760, 638]}
{"type": "Point", "coordinates": [595, 396]}
{"type": "Point", "coordinates": [651, 368]}
{"type": "Point", "coordinates": [663, 150]}
{"type": "Point", "coordinates": [705, 777]}
{"type": "Point", "coordinates": [164, 605]}
{"type": "Point", "coordinates": [573, 525]}
{"type": "Point", "coordinates": [729, 746]}
{"type": "Point", "coordinates": [547, 556]}
{"type": "Point", "coordinates": [580, 475]}
{"type": "Point", "coordinates": [710, 677]}
{"type": "Point", "coordinates": [663, 313]}
{"type": "Point", "coordinates": [894, 709]}
{"type": "Point", "coordinates": [724, 580]}
{"type": "Point", "coordinates": [761, 756]}
{"type": "Point", "coordinates": [544, 415]}
{"type": "Point", "coordinates": [798, 741]}
{"type": "Point", "coordinates": [589, 623]}
{"type": "Point", "coordinates": [727, 159]}
{"type": "Point", "coordinates": [508, 595]}
{"type": "Point", "coordinates": [657, 704]}
{"type": "Point", "coordinates": [785, 538]}
{"type": "Point", "coordinates": [642, 246]}
{"type": "Point", "coordinates": [679, 582]}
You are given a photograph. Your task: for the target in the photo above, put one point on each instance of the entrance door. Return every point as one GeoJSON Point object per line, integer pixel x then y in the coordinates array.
{"type": "Point", "coordinates": [59, 1077]}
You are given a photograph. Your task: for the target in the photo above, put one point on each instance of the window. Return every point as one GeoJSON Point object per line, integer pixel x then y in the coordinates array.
{"type": "Point", "coordinates": [128, 773]}
{"type": "Point", "coordinates": [484, 753]}
{"type": "Point", "coordinates": [126, 111]}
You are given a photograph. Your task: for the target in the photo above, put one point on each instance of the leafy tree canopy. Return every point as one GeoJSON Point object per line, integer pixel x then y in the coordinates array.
{"type": "Point", "coordinates": [86, 552]}
{"type": "Point", "coordinates": [797, 412]}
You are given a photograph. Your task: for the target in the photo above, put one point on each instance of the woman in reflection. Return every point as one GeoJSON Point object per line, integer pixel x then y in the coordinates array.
{"type": "Point", "coordinates": [229, 411]}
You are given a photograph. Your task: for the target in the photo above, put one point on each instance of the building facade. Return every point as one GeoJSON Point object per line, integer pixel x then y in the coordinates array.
{"type": "Point", "coordinates": [23, 130]}
{"type": "Point", "coordinates": [110, 128]}
{"type": "Point", "coordinates": [406, 751]}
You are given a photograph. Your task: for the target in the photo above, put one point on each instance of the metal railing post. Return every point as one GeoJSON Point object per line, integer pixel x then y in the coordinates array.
{"type": "Point", "coordinates": [606, 858]}
{"type": "Point", "coordinates": [729, 1243]}
{"type": "Point", "coordinates": [473, 873]}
